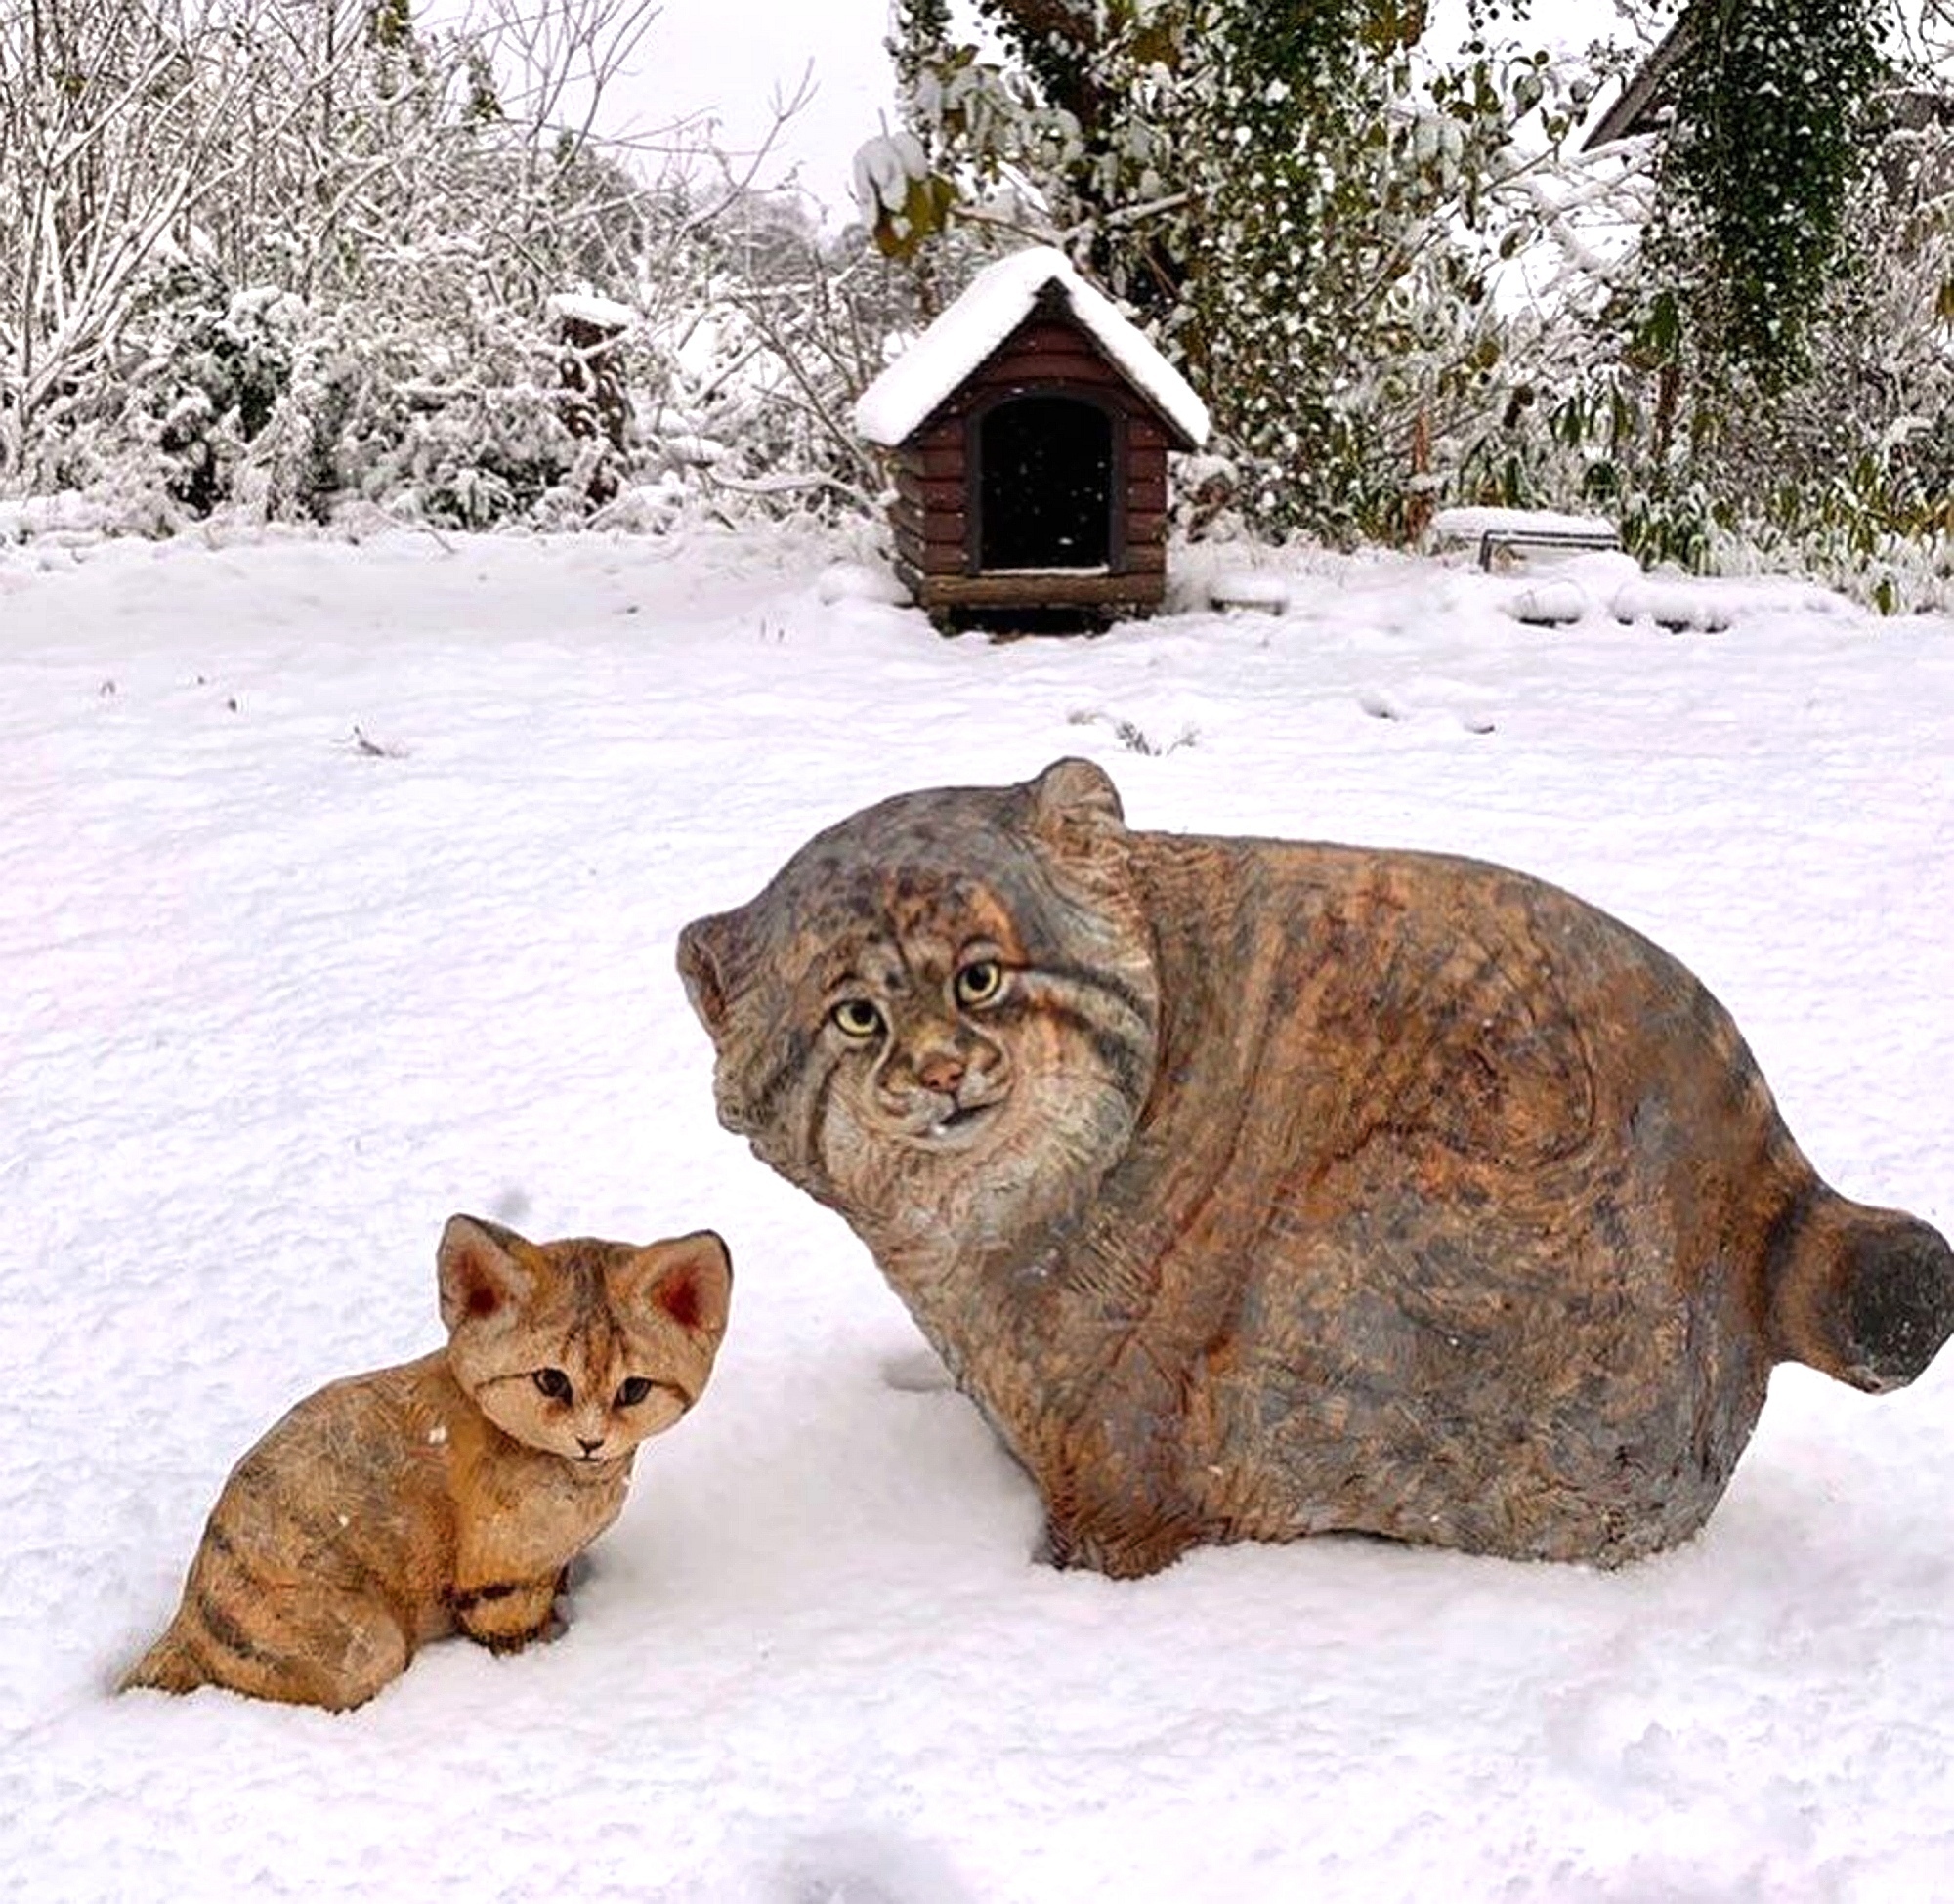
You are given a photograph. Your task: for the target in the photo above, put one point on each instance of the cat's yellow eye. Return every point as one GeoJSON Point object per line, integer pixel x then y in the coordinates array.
{"type": "Point", "coordinates": [857, 1018]}
{"type": "Point", "coordinates": [979, 981]}
{"type": "Point", "coordinates": [554, 1383]}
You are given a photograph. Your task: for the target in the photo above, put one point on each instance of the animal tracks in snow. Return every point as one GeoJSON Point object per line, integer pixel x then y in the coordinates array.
{"type": "Point", "coordinates": [1450, 701]}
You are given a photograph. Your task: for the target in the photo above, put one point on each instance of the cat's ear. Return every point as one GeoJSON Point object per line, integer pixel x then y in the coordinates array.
{"type": "Point", "coordinates": [690, 1279]}
{"type": "Point", "coordinates": [705, 959]}
{"type": "Point", "coordinates": [480, 1270]}
{"type": "Point", "coordinates": [1072, 804]}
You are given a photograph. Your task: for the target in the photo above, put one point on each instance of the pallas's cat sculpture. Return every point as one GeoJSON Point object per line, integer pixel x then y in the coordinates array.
{"type": "Point", "coordinates": [1257, 1189]}
{"type": "Point", "coordinates": [450, 1493]}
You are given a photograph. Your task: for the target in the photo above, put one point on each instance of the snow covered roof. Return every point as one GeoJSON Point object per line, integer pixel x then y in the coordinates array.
{"type": "Point", "coordinates": [993, 303]}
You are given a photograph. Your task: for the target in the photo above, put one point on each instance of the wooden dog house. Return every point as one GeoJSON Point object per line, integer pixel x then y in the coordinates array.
{"type": "Point", "coordinates": [1029, 429]}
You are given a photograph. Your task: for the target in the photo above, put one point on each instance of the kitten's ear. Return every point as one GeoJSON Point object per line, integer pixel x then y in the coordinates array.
{"type": "Point", "coordinates": [704, 961]}
{"type": "Point", "coordinates": [1071, 804]}
{"type": "Point", "coordinates": [690, 1279]}
{"type": "Point", "coordinates": [479, 1270]}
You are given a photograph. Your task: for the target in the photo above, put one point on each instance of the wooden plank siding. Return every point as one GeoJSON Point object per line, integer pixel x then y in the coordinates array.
{"type": "Point", "coordinates": [941, 462]}
{"type": "Point", "coordinates": [943, 558]}
{"type": "Point", "coordinates": [949, 492]}
{"type": "Point", "coordinates": [949, 526]}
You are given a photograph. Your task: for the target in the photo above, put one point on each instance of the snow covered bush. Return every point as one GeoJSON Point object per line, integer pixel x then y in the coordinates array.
{"type": "Point", "coordinates": [276, 261]}
{"type": "Point", "coordinates": [1835, 456]}
{"type": "Point", "coordinates": [214, 371]}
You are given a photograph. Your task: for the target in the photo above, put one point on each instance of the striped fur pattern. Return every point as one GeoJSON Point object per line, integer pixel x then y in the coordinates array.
{"type": "Point", "coordinates": [1257, 1189]}
{"type": "Point", "coordinates": [452, 1493]}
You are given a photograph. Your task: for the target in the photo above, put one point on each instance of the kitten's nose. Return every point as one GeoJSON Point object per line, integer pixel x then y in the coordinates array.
{"type": "Point", "coordinates": [590, 1447]}
{"type": "Point", "coordinates": [941, 1071]}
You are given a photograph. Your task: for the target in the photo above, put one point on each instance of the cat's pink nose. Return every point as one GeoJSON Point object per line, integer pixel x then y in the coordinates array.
{"type": "Point", "coordinates": [941, 1071]}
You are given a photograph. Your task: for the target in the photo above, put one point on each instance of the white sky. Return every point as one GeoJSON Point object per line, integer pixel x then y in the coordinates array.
{"type": "Point", "coordinates": [729, 58]}
{"type": "Point", "coordinates": [726, 61]}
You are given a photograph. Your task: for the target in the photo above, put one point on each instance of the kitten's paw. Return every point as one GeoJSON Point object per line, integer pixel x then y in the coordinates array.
{"type": "Point", "coordinates": [501, 1644]}
{"type": "Point", "coordinates": [549, 1628]}
{"type": "Point", "coordinates": [508, 1615]}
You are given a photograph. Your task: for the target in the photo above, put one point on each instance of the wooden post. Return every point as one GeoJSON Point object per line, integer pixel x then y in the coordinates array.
{"type": "Point", "coordinates": [596, 404]}
{"type": "Point", "coordinates": [1419, 502]}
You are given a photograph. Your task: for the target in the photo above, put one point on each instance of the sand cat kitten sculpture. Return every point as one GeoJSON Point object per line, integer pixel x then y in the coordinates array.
{"type": "Point", "coordinates": [1257, 1189]}
{"type": "Point", "coordinates": [390, 1509]}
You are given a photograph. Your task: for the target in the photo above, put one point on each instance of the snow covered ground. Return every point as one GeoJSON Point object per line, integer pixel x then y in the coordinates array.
{"type": "Point", "coordinates": [338, 887]}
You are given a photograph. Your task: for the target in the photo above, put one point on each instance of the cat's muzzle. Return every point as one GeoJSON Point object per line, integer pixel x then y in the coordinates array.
{"type": "Point", "coordinates": [941, 1120]}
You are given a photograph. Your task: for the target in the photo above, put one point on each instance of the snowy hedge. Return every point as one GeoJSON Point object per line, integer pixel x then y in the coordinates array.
{"type": "Point", "coordinates": [283, 264]}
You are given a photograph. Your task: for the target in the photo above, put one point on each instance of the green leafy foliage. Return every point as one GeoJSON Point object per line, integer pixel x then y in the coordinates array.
{"type": "Point", "coordinates": [1305, 214]}
{"type": "Point", "coordinates": [1773, 101]}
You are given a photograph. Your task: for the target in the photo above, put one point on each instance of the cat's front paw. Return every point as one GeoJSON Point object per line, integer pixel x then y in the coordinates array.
{"type": "Point", "coordinates": [1070, 1546]}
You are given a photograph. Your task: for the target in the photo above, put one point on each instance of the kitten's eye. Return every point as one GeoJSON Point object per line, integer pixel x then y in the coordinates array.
{"type": "Point", "coordinates": [631, 1391]}
{"type": "Point", "coordinates": [857, 1018]}
{"type": "Point", "coordinates": [979, 981]}
{"type": "Point", "coordinates": [554, 1383]}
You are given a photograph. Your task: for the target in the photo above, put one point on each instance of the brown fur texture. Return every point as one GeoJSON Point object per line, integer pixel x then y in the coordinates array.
{"type": "Point", "coordinates": [449, 1493]}
{"type": "Point", "coordinates": [1257, 1189]}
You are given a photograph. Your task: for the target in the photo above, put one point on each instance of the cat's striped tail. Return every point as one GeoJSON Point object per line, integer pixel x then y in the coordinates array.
{"type": "Point", "coordinates": [1866, 1295]}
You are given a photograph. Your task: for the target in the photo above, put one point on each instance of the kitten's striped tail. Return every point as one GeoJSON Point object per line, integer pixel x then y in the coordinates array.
{"type": "Point", "coordinates": [1865, 1295]}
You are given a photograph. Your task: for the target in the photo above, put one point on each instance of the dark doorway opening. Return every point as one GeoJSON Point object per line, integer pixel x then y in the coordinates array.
{"type": "Point", "coordinates": [1046, 491]}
